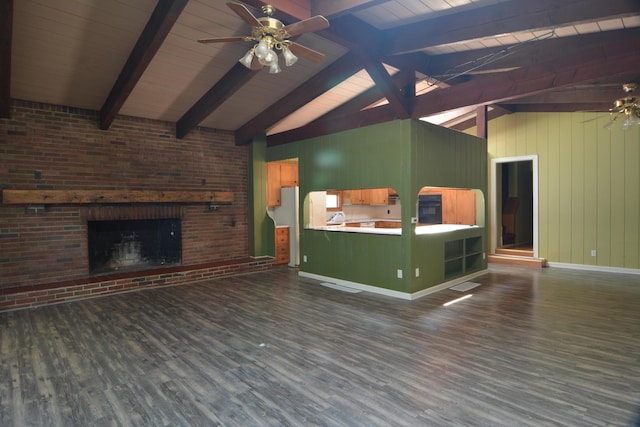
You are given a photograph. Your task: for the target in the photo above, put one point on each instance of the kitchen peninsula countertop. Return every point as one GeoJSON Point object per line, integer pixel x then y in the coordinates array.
{"type": "Point", "coordinates": [362, 230]}
{"type": "Point", "coordinates": [420, 229]}
{"type": "Point", "coordinates": [361, 220]}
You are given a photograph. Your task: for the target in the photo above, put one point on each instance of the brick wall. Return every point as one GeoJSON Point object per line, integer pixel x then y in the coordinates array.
{"type": "Point", "coordinates": [67, 150]}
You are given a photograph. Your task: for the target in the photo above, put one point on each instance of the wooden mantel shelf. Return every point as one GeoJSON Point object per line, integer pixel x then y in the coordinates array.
{"type": "Point", "coordinates": [17, 197]}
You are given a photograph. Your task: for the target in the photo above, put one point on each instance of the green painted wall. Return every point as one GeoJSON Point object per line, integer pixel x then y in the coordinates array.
{"type": "Point", "coordinates": [404, 155]}
{"type": "Point", "coordinates": [261, 231]}
{"type": "Point", "coordinates": [444, 158]}
{"type": "Point", "coordinates": [589, 184]}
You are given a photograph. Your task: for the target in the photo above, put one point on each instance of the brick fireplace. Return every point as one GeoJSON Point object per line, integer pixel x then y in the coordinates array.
{"type": "Point", "coordinates": [124, 245]}
{"type": "Point", "coordinates": [44, 249]}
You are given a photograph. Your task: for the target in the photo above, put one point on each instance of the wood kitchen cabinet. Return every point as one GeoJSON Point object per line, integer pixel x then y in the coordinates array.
{"type": "Point", "coordinates": [370, 196]}
{"type": "Point", "coordinates": [358, 197]}
{"type": "Point", "coordinates": [288, 174]}
{"type": "Point", "coordinates": [378, 196]}
{"type": "Point", "coordinates": [273, 184]}
{"type": "Point", "coordinates": [458, 206]}
{"type": "Point", "coordinates": [282, 245]}
{"type": "Point", "coordinates": [280, 175]}
{"type": "Point", "coordinates": [448, 206]}
{"type": "Point", "coordinates": [388, 224]}
{"type": "Point", "coordinates": [466, 207]}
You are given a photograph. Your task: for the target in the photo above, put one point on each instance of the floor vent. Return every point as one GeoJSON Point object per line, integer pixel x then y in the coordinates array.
{"type": "Point", "coordinates": [464, 286]}
{"type": "Point", "coordinates": [341, 288]}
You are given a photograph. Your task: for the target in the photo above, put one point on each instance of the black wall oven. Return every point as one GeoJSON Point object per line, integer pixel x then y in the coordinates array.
{"type": "Point", "coordinates": [430, 209]}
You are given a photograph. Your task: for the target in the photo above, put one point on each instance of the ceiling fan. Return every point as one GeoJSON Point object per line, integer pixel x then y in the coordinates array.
{"type": "Point", "coordinates": [272, 35]}
{"type": "Point", "coordinates": [627, 107]}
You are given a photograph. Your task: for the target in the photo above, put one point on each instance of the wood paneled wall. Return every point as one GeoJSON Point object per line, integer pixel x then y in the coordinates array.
{"type": "Point", "coordinates": [589, 184]}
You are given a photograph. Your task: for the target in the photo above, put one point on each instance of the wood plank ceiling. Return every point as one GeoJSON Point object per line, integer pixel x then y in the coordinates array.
{"type": "Point", "coordinates": [385, 59]}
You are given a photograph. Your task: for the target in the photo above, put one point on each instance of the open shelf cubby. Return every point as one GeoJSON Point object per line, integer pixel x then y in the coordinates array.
{"type": "Point", "coordinates": [462, 256]}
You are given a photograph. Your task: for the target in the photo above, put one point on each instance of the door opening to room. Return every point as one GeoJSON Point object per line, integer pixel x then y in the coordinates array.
{"type": "Point", "coordinates": [514, 213]}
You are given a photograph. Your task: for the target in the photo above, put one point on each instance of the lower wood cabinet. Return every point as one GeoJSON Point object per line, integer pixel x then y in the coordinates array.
{"type": "Point", "coordinates": [388, 224]}
{"type": "Point", "coordinates": [282, 245]}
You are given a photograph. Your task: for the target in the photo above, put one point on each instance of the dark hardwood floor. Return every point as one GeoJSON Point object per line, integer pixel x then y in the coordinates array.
{"type": "Point", "coordinates": [548, 347]}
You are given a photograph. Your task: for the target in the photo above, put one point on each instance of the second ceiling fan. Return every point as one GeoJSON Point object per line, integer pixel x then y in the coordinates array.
{"type": "Point", "coordinates": [271, 35]}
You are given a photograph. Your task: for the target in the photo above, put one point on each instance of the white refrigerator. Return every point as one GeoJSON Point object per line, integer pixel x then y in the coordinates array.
{"type": "Point", "coordinates": [288, 213]}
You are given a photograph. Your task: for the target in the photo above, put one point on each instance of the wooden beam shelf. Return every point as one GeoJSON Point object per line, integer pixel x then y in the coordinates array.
{"type": "Point", "coordinates": [17, 197]}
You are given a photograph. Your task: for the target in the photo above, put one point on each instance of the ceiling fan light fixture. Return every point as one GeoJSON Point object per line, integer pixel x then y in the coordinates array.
{"type": "Point", "coordinates": [269, 58]}
{"type": "Point", "coordinates": [274, 68]}
{"type": "Point", "coordinates": [247, 59]}
{"type": "Point", "coordinates": [632, 118]}
{"type": "Point", "coordinates": [289, 57]}
{"type": "Point", "coordinates": [261, 49]}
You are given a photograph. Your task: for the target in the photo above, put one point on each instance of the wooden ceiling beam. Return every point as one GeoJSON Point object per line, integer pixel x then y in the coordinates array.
{"type": "Point", "coordinates": [287, 11]}
{"type": "Point", "coordinates": [354, 105]}
{"type": "Point", "coordinates": [354, 33]}
{"type": "Point", "coordinates": [518, 55]}
{"type": "Point", "coordinates": [369, 97]}
{"type": "Point", "coordinates": [582, 66]}
{"type": "Point", "coordinates": [335, 8]}
{"type": "Point", "coordinates": [576, 94]}
{"type": "Point", "coordinates": [331, 76]}
{"type": "Point", "coordinates": [418, 61]}
{"type": "Point", "coordinates": [501, 18]}
{"type": "Point", "coordinates": [364, 40]}
{"type": "Point", "coordinates": [384, 82]}
{"type": "Point", "coordinates": [162, 19]}
{"type": "Point", "coordinates": [472, 121]}
{"type": "Point", "coordinates": [233, 80]}
{"type": "Point", "coordinates": [586, 107]}
{"type": "Point", "coordinates": [6, 30]}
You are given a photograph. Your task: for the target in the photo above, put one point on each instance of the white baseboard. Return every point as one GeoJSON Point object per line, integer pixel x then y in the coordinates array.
{"type": "Point", "coordinates": [390, 292]}
{"type": "Point", "coordinates": [600, 268]}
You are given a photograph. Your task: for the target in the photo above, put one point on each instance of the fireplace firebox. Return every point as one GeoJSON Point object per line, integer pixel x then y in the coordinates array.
{"type": "Point", "coordinates": [132, 245]}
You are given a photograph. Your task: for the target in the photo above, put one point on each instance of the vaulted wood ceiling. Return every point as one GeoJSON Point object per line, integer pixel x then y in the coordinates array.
{"type": "Point", "coordinates": [385, 60]}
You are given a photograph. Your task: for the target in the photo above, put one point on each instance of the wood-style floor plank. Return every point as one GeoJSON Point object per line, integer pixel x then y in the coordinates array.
{"type": "Point", "coordinates": [549, 347]}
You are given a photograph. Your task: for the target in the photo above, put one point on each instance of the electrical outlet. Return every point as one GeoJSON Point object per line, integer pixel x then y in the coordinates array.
{"type": "Point", "coordinates": [417, 272]}
{"type": "Point", "coordinates": [304, 258]}
{"type": "Point", "coordinates": [399, 274]}
{"type": "Point", "coordinates": [593, 252]}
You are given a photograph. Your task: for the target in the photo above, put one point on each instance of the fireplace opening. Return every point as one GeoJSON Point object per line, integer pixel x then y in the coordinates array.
{"type": "Point", "coordinates": [132, 245]}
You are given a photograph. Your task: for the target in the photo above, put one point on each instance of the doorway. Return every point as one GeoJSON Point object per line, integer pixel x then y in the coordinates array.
{"type": "Point", "coordinates": [514, 202]}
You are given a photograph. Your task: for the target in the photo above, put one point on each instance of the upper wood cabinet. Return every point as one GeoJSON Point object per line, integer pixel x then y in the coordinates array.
{"type": "Point", "coordinates": [458, 206]}
{"type": "Point", "coordinates": [288, 174]}
{"type": "Point", "coordinates": [280, 175]}
{"type": "Point", "coordinates": [378, 196]}
{"type": "Point", "coordinates": [466, 207]}
{"type": "Point", "coordinates": [273, 184]}
{"type": "Point", "coordinates": [370, 196]}
{"type": "Point", "coordinates": [358, 197]}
